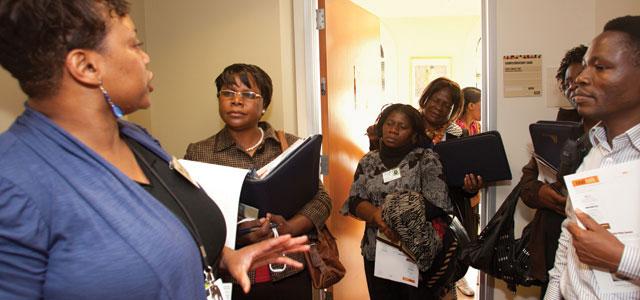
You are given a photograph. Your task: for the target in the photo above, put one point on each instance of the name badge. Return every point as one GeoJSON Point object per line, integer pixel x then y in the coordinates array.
{"type": "Point", "coordinates": [220, 291]}
{"type": "Point", "coordinates": [175, 165]}
{"type": "Point", "coordinates": [391, 175]}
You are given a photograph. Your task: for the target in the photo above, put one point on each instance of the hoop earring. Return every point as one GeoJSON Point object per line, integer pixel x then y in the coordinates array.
{"type": "Point", "coordinates": [115, 109]}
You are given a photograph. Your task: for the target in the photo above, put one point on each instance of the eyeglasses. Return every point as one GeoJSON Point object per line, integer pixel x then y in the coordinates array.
{"type": "Point", "coordinates": [247, 95]}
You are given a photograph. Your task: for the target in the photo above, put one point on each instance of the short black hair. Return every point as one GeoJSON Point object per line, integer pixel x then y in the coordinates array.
{"type": "Point", "coordinates": [37, 35]}
{"type": "Point", "coordinates": [441, 83]}
{"type": "Point", "coordinates": [575, 55]}
{"type": "Point", "coordinates": [415, 119]}
{"type": "Point", "coordinates": [470, 95]}
{"type": "Point", "coordinates": [246, 72]}
{"type": "Point", "coordinates": [631, 26]}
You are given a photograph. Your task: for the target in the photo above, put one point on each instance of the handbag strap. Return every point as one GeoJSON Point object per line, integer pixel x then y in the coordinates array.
{"type": "Point", "coordinates": [283, 140]}
{"type": "Point", "coordinates": [503, 219]}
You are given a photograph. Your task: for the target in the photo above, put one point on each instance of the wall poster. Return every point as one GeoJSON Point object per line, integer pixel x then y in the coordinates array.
{"type": "Point", "coordinates": [426, 69]}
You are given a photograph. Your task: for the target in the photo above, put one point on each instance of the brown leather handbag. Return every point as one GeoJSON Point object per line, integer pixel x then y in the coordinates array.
{"type": "Point", "coordinates": [323, 258]}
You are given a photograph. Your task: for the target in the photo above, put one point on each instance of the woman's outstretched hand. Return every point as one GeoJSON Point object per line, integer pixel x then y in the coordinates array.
{"type": "Point", "coordinates": [271, 251]}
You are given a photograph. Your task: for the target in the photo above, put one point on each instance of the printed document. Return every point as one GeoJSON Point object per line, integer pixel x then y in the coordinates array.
{"type": "Point", "coordinates": [546, 172]}
{"type": "Point", "coordinates": [611, 196]}
{"type": "Point", "coordinates": [223, 185]}
{"type": "Point", "coordinates": [393, 264]}
{"type": "Point", "coordinates": [264, 171]}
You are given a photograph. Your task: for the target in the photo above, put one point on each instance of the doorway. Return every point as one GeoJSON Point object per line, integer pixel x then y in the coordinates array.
{"type": "Point", "coordinates": [370, 57]}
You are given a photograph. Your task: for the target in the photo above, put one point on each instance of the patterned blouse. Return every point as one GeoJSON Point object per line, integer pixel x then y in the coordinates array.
{"type": "Point", "coordinates": [221, 149]}
{"type": "Point", "coordinates": [420, 170]}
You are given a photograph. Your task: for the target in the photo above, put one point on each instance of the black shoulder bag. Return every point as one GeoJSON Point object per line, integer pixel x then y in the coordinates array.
{"type": "Point", "coordinates": [497, 252]}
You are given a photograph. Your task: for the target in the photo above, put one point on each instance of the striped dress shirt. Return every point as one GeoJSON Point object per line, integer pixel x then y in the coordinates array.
{"type": "Point", "coordinates": [571, 279]}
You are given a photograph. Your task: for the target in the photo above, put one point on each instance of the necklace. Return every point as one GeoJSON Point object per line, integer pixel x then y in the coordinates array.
{"type": "Point", "coordinates": [258, 143]}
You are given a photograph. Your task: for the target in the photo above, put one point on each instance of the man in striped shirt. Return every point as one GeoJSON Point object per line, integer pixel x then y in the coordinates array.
{"type": "Point", "coordinates": [608, 90]}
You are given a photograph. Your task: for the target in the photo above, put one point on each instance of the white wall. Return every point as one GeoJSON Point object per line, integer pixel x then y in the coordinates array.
{"type": "Point", "coordinates": [549, 28]}
{"type": "Point", "coordinates": [453, 37]}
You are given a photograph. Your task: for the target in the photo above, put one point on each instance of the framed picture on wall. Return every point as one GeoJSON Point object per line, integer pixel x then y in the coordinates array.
{"type": "Point", "coordinates": [426, 69]}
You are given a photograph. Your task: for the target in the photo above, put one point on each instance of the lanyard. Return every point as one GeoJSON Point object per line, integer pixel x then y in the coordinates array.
{"type": "Point", "coordinates": [208, 271]}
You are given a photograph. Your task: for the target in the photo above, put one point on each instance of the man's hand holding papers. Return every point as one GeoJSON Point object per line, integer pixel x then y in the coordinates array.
{"type": "Point", "coordinates": [595, 245]}
{"type": "Point", "coordinates": [606, 220]}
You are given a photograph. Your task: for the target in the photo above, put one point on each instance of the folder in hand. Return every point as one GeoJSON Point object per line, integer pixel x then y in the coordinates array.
{"type": "Point", "coordinates": [549, 137]}
{"type": "Point", "coordinates": [481, 154]}
{"type": "Point", "coordinates": [289, 185]}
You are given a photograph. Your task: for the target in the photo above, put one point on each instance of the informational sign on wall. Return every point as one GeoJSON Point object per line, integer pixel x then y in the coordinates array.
{"type": "Point", "coordinates": [522, 75]}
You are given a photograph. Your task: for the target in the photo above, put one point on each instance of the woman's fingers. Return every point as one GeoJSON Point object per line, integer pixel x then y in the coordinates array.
{"type": "Point", "coordinates": [272, 251]}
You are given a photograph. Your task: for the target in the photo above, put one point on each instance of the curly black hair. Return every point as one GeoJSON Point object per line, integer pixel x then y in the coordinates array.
{"type": "Point", "coordinates": [631, 26]}
{"type": "Point", "coordinates": [414, 116]}
{"type": "Point", "coordinates": [36, 36]}
{"type": "Point", "coordinates": [573, 56]}
{"type": "Point", "coordinates": [244, 73]}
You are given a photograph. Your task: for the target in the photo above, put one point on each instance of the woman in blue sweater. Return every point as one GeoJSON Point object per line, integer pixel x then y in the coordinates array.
{"type": "Point", "coordinates": [90, 207]}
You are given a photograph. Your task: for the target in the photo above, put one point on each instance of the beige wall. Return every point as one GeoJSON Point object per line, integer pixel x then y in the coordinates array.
{"type": "Point", "coordinates": [11, 99]}
{"type": "Point", "coordinates": [191, 41]}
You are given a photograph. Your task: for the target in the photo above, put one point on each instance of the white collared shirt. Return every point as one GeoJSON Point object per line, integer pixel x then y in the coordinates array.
{"type": "Point", "coordinates": [569, 278]}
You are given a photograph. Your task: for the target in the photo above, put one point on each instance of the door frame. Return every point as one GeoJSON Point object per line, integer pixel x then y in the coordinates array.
{"type": "Point", "coordinates": [489, 118]}
{"type": "Point", "coordinates": [307, 66]}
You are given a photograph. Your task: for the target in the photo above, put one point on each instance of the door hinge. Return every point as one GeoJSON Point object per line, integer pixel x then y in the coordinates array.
{"type": "Point", "coordinates": [324, 165]}
{"type": "Point", "coordinates": [320, 20]}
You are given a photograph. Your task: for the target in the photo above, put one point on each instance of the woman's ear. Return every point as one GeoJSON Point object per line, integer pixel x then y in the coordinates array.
{"type": "Point", "coordinates": [83, 66]}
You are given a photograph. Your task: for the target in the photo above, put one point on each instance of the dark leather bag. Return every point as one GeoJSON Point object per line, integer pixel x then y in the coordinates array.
{"type": "Point", "coordinates": [498, 253]}
{"type": "Point", "coordinates": [323, 258]}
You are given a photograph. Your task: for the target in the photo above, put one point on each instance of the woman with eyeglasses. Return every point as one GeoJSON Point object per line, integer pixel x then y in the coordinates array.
{"type": "Point", "coordinates": [244, 94]}
{"type": "Point", "coordinates": [89, 206]}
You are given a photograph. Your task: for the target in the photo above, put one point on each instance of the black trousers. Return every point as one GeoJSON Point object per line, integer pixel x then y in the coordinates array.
{"type": "Point", "coordinates": [383, 289]}
{"type": "Point", "coordinates": [294, 287]}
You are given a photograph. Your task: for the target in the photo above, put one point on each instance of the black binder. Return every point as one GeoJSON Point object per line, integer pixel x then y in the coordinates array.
{"type": "Point", "coordinates": [548, 138]}
{"type": "Point", "coordinates": [290, 185]}
{"type": "Point", "coordinates": [481, 154]}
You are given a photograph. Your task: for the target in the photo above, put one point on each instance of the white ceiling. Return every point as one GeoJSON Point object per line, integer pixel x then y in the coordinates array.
{"type": "Point", "coordinates": [420, 8]}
